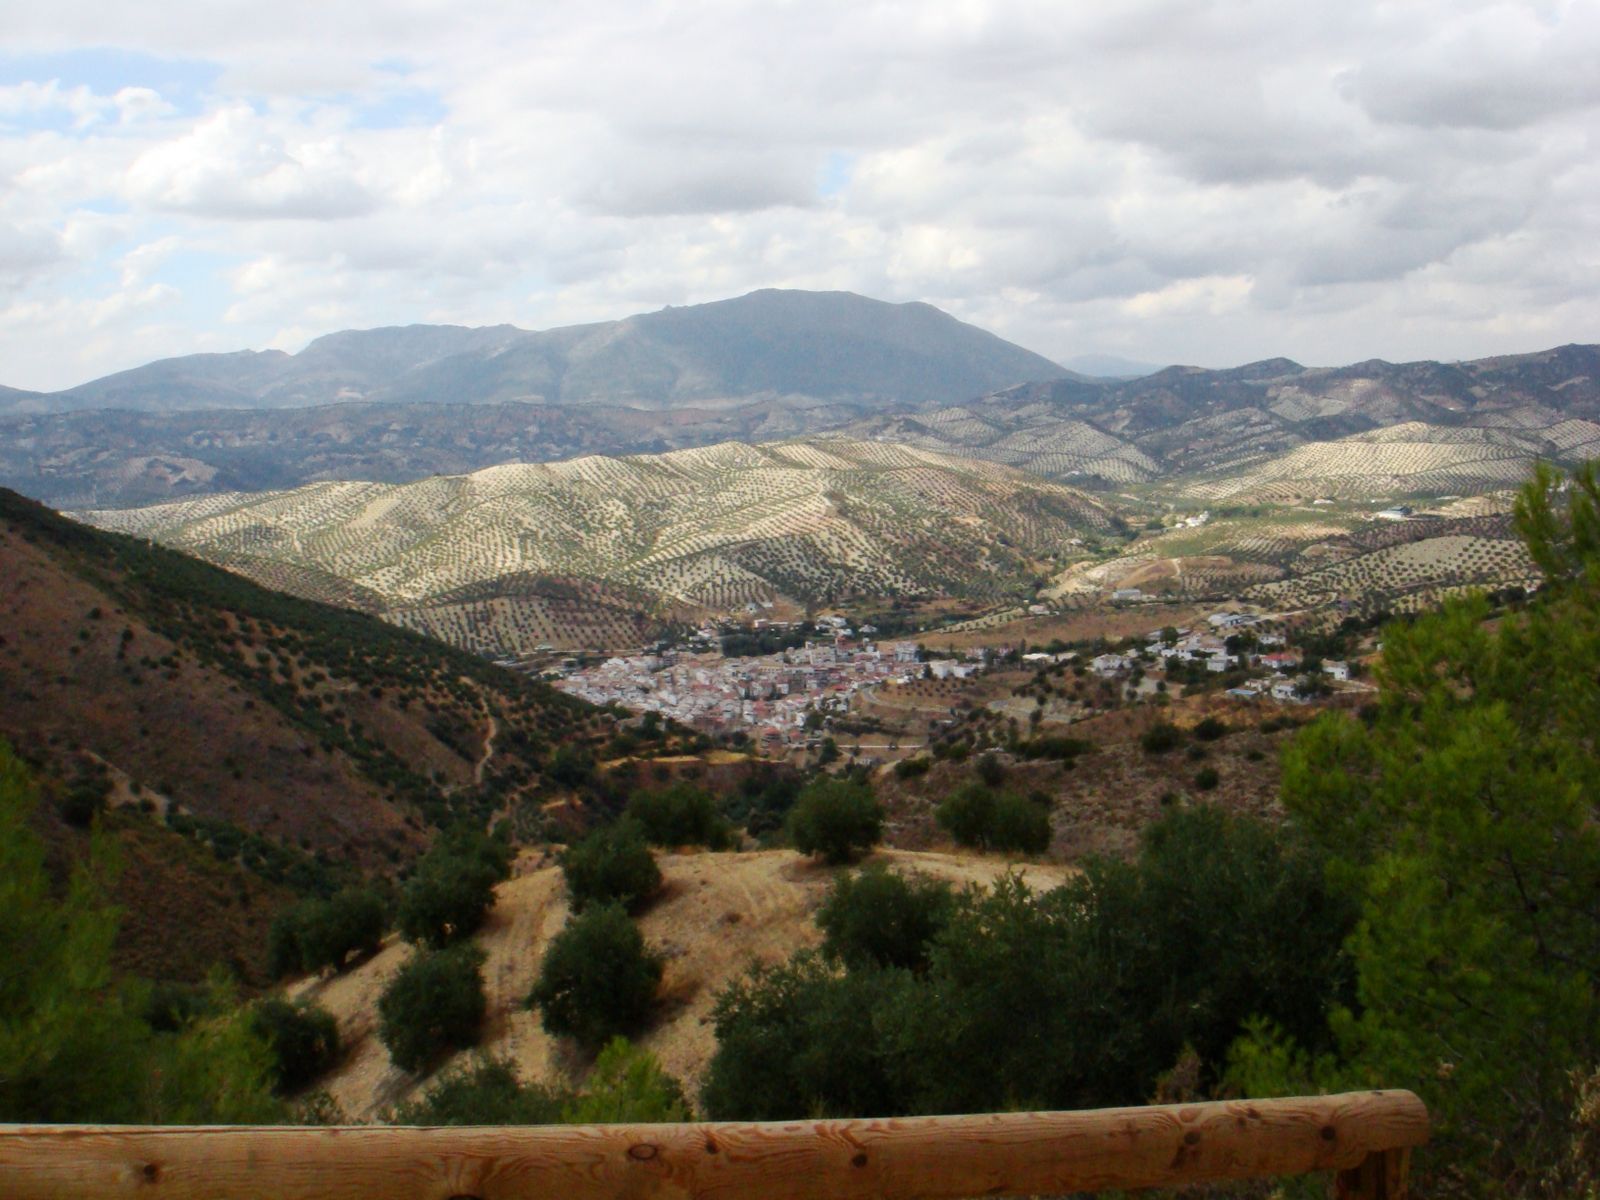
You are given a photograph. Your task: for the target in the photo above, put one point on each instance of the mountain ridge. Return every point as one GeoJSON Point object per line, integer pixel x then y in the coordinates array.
{"type": "Point", "coordinates": [767, 344]}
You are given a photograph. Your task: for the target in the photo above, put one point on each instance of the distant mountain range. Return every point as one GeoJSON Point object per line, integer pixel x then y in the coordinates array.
{"type": "Point", "coordinates": [477, 559]}
{"type": "Point", "coordinates": [801, 348]}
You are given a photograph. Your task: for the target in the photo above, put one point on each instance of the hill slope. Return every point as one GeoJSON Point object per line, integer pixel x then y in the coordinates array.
{"type": "Point", "coordinates": [293, 736]}
{"type": "Point", "coordinates": [718, 914]}
{"type": "Point", "coordinates": [799, 346]}
{"type": "Point", "coordinates": [711, 528]}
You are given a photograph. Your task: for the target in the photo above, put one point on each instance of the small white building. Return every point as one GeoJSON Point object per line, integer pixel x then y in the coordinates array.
{"type": "Point", "coordinates": [1110, 664]}
{"type": "Point", "coordinates": [1334, 669]}
{"type": "Point", "coordinates": [1285, 690]}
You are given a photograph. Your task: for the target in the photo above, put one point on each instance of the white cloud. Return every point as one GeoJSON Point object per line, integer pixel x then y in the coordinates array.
{"type": "Point", "coordinates": [234, 164]}
{"type": "Point", "coordinates": [1200, 180]}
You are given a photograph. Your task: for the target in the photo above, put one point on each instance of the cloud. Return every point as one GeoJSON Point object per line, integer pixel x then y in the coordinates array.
{"type": "Point", "coordinates": [233, 164]}
{"type": "Point", "coordinates": [1198, 180]}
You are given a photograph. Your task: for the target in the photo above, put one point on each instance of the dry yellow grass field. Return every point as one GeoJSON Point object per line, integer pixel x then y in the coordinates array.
{"type": "Point", "coordinates": [718, 914]}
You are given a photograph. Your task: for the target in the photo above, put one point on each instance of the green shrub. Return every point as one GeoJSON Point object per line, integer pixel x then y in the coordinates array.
{"type": "Point", "coordinates": [1019, 824]}
{"type": "Point", "coordinates": [1061, 749]}
{"type": "Point", "coordinates": [976, 816]}
{"type": "Point", "coordinates": [836, 819]}
{"type": "Point", "coordinates": [597, 979]}
{"type": "Point", "coordinates": [1210, 729]}
{"type": "Point", "coordinates": [304, 1040]}
{"type": "Point", "coordinates": [627, 1086]}
{"type": "Point", "coordinates": [877, 918]}
{"type": "Point", "coordinates": [485, 1091]}
{"type": "Point", "coordinates": [989, 769]}
{"type": "Point", "coordinates": [327, 932]}
{"type": "Point", "coordinates": [910, 768]}
{"type": "Point", "coordinates": [1161, 738]}
{"type": "Point", "coordinates": [680, 815]}
{"type": "Point", "coordinates": [446, 900]}
{"type": "Point", "coordinates": [612, 865]}
{"type": "Point", "coordinates": [1207, 779]}
{"type": "Point", "coordinates": [435, 1004]}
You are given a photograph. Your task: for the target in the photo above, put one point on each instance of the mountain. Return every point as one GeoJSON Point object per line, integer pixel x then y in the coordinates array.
{"type": "Point", "coordinates": [294, 742]}
{"type": "Point", "coordinates": [475, 558]}
{"type": "Point", "coordinates": [1278, 429]}
{"type": "Point", "coordinates": [799, 347]}
{"type": "Point", "coordinates": [1179, 425]}
{"type": "Point", "coordinates": [1109, 366]}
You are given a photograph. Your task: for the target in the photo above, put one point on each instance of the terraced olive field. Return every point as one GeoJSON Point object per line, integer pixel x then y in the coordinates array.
{"type": "Point", "coordinates": [473, 557]}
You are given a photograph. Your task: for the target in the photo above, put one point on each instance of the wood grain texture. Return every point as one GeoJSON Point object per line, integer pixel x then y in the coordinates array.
{"type": "Point", "coordinates": [869, 1159]}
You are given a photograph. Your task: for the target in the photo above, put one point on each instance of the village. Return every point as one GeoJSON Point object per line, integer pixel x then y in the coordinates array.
{"type": "Point", "coordinates": [783, 701]}
{"type": "Point", "coordinates": [774, 698]}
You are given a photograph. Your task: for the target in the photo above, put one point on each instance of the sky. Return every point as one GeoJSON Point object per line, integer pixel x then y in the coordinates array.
{"type": "Point", "coordinates": [1166, 180]}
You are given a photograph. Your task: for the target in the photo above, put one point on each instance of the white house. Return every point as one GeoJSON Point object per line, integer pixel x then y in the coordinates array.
{"type": "Point", "coordinates": [1110, 664]}
{"type": "Point", "coordinates": [1335, 669]}
{"type": "Point", "coordinates": [1284, 689]}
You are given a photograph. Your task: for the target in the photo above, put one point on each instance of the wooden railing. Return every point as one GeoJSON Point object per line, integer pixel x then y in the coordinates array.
{"type": "Point", "coordinates": [1364, 1137]}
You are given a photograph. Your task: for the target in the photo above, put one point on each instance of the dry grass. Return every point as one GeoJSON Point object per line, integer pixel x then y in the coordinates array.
{"type": "Point", "coordinates": [717, 915]}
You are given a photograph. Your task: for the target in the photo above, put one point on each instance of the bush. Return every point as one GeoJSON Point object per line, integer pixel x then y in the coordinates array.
{"type": "Point", "coordinates": [304, 1040]}
{"type": "Point", "coordinates": [446, 900]}
{"type": "Point", "coordinates": [325, 933]}
{"type": "Point", "coordinates": [837, 819]}
{"type": "Point", "coordinates": [1161, 738]}
{"type": "Point", "coordinates": [597, 979]}
{"type": "Point", "coordinates": [1019, 824]}
{"type": "Point", "coordinates": [628, 1086]}
{"type": "Point", "coordinates": [435, 1004]}
{"type": "Point", "coordinates": [613, 865]}
{"type": "Point", "coordinates": [680, 815]}
{"type": "Point", "coordinates": [1061, 749]}
{"type": "Point", "coordinates": [802, 1040]}
{"type": "Point", "coordinates": [989, 769]}
{"type": "Point", "coordinates": [484, 1092]}
{"type": "Point", "coordinates": [1210, 729]}
{"type": "Point", "coordinates": [976, 816]}
{"type": "Point", "coordinates": [910, 768]}
{"type": "Point", "coordinates": [877, 918]}
{"type": "Point", "coordinates": [1206, 779]}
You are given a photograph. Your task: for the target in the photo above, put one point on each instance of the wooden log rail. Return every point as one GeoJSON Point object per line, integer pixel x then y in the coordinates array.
{"type": "Point", "coordinates": [1364, 1137]}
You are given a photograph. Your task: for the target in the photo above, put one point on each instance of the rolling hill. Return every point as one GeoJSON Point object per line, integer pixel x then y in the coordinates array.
{"type": "Point", "coordinates": [714, 528]}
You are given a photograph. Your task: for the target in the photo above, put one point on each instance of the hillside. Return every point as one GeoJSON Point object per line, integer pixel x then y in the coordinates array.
{"type": "Point", "coordinates": [298, 741]}
{"type": "Point", "coordinates": [1245, 432]}
{"type": "Point", "coordinates": [800, 347]}
{"type": "Point", "coordinates": [719, 913]}
{"type": "Point", "coordinates": [715, 528]}
{"type": "Point", "coordinates": [1276, 430]}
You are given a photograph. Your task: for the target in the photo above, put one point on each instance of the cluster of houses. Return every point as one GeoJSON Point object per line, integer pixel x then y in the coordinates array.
{"type": "Point", "coordinates": [770, 696]}
{"type": "Point", "coordinates": [1209, 646]}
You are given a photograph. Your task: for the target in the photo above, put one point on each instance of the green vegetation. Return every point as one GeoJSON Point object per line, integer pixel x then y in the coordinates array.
{"type": "Point", "coordinates": [1462, 822]}
{"type": "Point", "coordinates": [627, 1084]}
{"type": "Point", "coordinates": [680, 815]}
{"type": "Point", "coordinates": [452, 890]}
{"type": "Point", "coordinates": [1161, 738]}
{"type": "Point", "coordinates": [877, 918]}
{"type": "Point", "coordinates": [76, 1043]}
{"type": "Point", "coordinates": [836, 819]}
{"type": "Point", "coordinates": [1080, 997]}
{"type": "Point", "coordinates": [613, 865]}
{"type": "Point", "coordinates": [978, 816]}
{"type": "Point", "coordinates": [303, 1038]}
{"type": "Point", "coordinates": [325, 933]}
{"type": "Point", "coordinates": [597, 980]}
{"type": "Point", "coordinates": [435, 1004]}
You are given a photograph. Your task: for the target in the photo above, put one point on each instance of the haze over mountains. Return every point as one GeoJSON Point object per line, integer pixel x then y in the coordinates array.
{"type": "Point", "coordinates": [396, 405]}
{"type": "Point", "coordinates": [801, 347]}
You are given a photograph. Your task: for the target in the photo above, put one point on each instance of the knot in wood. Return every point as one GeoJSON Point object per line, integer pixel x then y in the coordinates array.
{"type": "Point", "coordinates": [643, 1152]}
